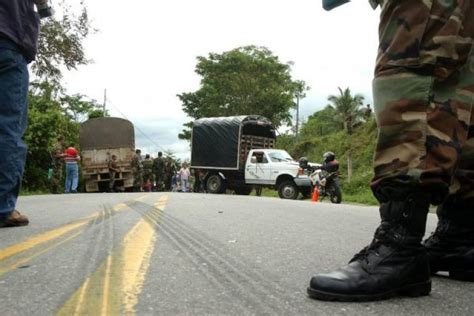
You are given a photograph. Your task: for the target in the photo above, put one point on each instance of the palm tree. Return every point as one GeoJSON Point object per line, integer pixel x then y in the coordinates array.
{"type": "Point", "coordinates": [347, 113]}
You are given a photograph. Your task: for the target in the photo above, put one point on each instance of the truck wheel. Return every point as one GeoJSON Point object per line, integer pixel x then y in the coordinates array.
{"type": "Point", "coordinates": [288, 190]}
{"type": "Point", "coordinates": [215, 184]}
{"type": "Point", "coordinates": [245, 190]}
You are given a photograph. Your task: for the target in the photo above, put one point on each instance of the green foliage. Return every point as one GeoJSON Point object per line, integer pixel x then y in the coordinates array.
{"type": "Point", "coordinates": [61, 43]}
{"type": "Point", "coordinates": [362, 144]}
{"type": "Point", "coordinates": [50, 116]}
{"type": "Point", "coordinates": [246, 80]}
{"type": "Point", "coordinates": [52, 112]}
{"type": "Point", "coordinates": [346, 109]}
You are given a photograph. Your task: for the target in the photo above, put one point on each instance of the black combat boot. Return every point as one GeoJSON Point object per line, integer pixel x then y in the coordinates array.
{"type": "Point", "coordinates": [451, 247]}
{"type": "Point", "coordinates": [395, 263]}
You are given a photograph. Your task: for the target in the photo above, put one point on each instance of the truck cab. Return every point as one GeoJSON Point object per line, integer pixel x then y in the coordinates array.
{"type": "Point", "coordinates": [277, 169]}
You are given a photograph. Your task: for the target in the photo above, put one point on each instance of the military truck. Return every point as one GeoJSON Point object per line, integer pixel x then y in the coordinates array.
{"type": "Point", "coordinates": [238, 153]}
{"type": "Point", "coordinates": [99, 139]}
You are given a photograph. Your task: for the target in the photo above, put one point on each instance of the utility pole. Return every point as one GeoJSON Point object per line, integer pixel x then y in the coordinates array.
{"type": "Point", "coordinates": [105, 102]}
{"type": "Point", "coordinates": [297, 113]}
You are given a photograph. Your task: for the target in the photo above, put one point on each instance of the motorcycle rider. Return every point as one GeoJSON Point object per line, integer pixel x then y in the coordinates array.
{"type": "Point", "coordinates": [330, 163]}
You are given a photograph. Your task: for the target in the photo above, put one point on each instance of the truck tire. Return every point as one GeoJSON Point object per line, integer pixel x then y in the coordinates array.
{"type": "Point", "coordinates": [215, 184]}
{"type": "Point", "coordinates": [288, 190]}
{"type": "Point", "coordinates": [245, 190]}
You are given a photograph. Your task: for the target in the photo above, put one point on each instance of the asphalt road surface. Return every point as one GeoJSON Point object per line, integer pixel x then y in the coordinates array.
{"type": "Point", "coordinates": [191, 254]}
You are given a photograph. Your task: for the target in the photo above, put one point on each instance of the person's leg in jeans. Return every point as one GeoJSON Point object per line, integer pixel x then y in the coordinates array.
{"type": "Point", "coordinates": [75, 177]}
{"type": "Point", "coordinates": [69, 175]}
{"type": "Point", "coordinates": [13, 121]}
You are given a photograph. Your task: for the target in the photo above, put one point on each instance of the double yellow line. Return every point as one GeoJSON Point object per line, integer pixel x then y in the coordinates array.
{"type": "Point", "coordinates": [114, 288]}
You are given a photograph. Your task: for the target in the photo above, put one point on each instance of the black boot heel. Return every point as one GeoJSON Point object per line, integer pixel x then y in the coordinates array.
{"type": "Point", "coordinates": [462, 275]}
{"type": "Point", "coordinates": [420, 289]}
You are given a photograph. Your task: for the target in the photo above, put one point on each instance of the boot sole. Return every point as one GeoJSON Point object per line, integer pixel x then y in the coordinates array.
{"type": "Point", "coordinates": [412, 290]}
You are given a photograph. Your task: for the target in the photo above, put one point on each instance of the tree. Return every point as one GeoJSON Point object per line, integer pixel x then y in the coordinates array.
{"type": "Point", "coordinates": [52, 112]}
{"type": "Point", "coordinates": [347, 113]}
{"type": "Point", "coordinates": [246, 80]}
{"type": "Point", "coordinates": [60, 43]}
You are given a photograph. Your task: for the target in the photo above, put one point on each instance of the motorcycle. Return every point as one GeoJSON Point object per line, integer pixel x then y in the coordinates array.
{"type": "Point", "coordinates": [327, 184]}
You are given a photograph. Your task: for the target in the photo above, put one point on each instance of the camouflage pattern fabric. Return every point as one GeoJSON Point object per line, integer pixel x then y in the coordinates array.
{"type": "Point", "coordinates": [423, 96]}
{"type": "Point", "coordinates": [148, 171]}
{"type": "Point", "coordinates": [159, 169]}
{"type": "Point", "coordinates": [137, 171]}
{"type": "Point", "coordinates": [57, 164]}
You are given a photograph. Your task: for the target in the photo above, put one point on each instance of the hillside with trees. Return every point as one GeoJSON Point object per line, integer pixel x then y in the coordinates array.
{"type": "Point", "coordinates": [346, 128]}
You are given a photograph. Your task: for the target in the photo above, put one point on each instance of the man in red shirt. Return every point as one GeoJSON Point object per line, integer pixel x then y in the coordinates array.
{"type": "Point", "coordinates": [71, 158]}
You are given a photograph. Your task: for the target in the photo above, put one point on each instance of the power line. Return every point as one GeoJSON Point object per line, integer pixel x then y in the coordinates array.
{"type": "Point", "coordinates": [136, 127]}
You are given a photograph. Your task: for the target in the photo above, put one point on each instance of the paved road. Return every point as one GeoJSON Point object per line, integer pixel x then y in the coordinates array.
{"type": "Point", "coordinates": [191, 254]}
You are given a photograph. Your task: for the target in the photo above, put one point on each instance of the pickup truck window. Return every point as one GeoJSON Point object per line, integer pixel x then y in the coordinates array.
{"type": "Point", "coordinates": [258, 157]}
{"type": "Point", "coordinates": [279, 156]}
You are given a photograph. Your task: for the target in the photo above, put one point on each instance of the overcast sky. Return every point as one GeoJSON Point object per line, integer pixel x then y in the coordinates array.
{"type": "Point", "coordinates": [145, 53]}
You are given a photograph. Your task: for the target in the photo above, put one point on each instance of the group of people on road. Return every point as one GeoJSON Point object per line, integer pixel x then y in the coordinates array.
{"type": "Point", "coordinates": [423, 101]}
{"type": "Point", "coordinates": [158, 174]}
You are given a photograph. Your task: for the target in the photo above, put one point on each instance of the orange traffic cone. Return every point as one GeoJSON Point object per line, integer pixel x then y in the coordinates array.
{"type": "Point", "coordinates": [315, 194]}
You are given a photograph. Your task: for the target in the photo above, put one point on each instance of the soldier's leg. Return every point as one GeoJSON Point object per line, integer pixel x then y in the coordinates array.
{"type": "Point", "coordinates": [423, 44]}
{"type": "Point", "coordinates": [451, 247]}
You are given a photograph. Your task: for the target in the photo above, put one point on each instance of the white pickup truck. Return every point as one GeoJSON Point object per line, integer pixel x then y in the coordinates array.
{"type": "Point", "coordinates": [237, 153]}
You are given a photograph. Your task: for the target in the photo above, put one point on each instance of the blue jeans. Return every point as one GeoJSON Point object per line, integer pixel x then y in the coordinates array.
{"type": "Point", "coordinates": [14, 81]}
{"type": "Point", "coordinates": [72, 177]}
{"type": "Point", "coordinates": [184, 185]}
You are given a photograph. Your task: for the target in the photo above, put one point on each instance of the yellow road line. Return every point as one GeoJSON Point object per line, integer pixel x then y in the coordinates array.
{"type": "Point", "coordinates": [39, 239]}
{"type": "Point", "coordinates": [52, 234]}
{"type": "Point", "coordinates": [106, 291]}
{"type": "Point", "coordinates": [82, 292]}
{"type": "Point", "coordinates": [27, 259]}
{"type": "Point", "coordinates": [120, 277]}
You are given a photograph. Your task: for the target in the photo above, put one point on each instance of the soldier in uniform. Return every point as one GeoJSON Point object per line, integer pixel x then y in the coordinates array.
{"type": "Point", "coordinates": [137, 170]}
{"type": "Point", "coordinates": [423, 101]}
{"type": "Point", "coordinates": [158, 170]}
{"type": "Point", "coordinates": [148, 173]}
{"type": "Point", "coordinates": [113, 170]}
{"type": "Point", "coordinates": [169, 172]}
{"type": "Point", "coordinates": [57, 165]}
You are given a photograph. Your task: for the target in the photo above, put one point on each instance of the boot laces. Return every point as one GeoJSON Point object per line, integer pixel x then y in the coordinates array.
{"type": "Point", "coordinates": [381, 237]}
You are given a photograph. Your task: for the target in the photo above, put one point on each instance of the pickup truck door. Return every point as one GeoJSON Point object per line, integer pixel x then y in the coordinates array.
{"type": "Point", "coordinates": [258, 169]}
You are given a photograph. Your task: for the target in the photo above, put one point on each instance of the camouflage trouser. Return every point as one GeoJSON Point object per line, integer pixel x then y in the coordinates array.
{"type": "Point", "coordinates": [423, 99]}
{"type": "Point", "coordinates": [56, 179]}
{"type": "Point", "coordinates": [159, 177]}
{"type": "Point", "coordinates": [137, 179]}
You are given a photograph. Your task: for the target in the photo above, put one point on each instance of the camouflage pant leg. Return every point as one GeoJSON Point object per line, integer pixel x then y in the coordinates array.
{"type": "Point", "coordinates": [137, 179]}
{"type": "Point", "coordinates": [56, 179]}
{"type": "Point", "coordinates": [111, 180]}
{"type": "Point", "coordinates": [423, 91]}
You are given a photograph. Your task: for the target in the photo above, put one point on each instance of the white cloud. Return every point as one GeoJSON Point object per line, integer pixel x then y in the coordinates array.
{"type": "Point", "coordinates": [145, 53]}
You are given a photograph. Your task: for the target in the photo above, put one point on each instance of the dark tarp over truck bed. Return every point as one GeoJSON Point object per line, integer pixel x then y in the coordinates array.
{"type": "Point", "coordinates": [107, 132]}
{"type": "Point", "coordinates": [216, 141]}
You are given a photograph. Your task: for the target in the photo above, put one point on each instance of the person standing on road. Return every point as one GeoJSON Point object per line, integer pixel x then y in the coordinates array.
{"type": "Point", "coordinates": [184, 175]}
{"type": "Point", "coordinates": [71, 159]}
{"type": "Point", "coordinates": [148, 173]}
{"type": "Point", "coordinates": [57, 165]}
{"type": "Point", "coordinates": [113, 170]}
{"type": "Point", "coordinates": [423, 99]}
{"type": "Point", "coordinates": [19, 29]}
{"type": "Point", "coordinates": [159, 169]}
{"type": "Point", "coordinates": [137, 171]}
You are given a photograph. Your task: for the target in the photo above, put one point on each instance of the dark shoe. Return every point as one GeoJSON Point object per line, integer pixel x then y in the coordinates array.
{"type": "Point", "coordinates": [394, 264]}
{"type": "Point", "coordinates": [14, 219]}
{"type": "Point", "coordinates": [451, 247]}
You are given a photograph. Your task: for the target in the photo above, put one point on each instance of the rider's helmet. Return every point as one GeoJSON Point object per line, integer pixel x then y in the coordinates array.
{"type": "Point", "coordinates": [303, 162]}
{"type": "Point", "coordinates": [329, 156]}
